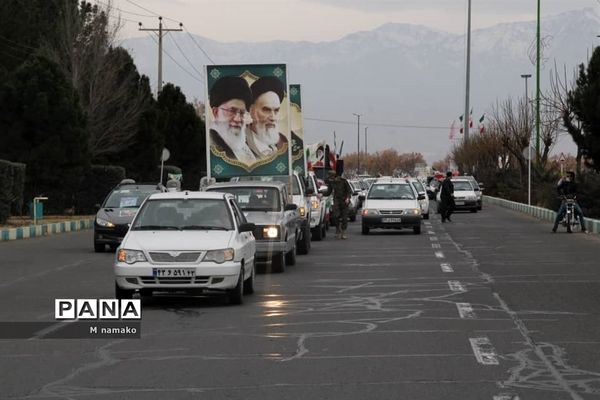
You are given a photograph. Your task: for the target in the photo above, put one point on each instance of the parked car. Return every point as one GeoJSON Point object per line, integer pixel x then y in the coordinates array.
{"type": "Point", "coordinates": [118, 210]}
{"type": "Point", "coordinates": [187, 241]}
{"type": "Point", "coordinates": [392, 203]}
{"type": "Point", "coordinates": [418, 186]}
{"type": "Point", "coordinates": [478, 188]}
{"type": "Point", "coordinates": [278, 222]}
{"type": "Point", "coordinates": [318, 208]}
{"type": "Point", "coordinates": [465, 197]}
{"type": "Point", "coordinates": [362, 187]}
{"type": "Point", "coordinates": [300, 196]}
{"type": "Point", "coordinates": [353, 207]}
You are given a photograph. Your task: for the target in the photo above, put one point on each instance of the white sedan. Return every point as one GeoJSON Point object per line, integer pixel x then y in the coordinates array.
{"type": "Point", "coordinates": [187, 241]}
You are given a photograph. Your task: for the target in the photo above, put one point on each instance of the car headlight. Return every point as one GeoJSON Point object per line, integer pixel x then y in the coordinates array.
{"type": "Point", "coordinates": [270, 232]}
{"type": "Point", "coordinates": [219, 256]}
{"type": "Point", "coordinates": [302, 211]}
{"type": "Point", "coordinates": [315, 204]}
{"type": "Point", "coordinates": [130, 256]}
{"type": "Point", "coordinates": [104, 223]}
{"type": "Point", "coordinates": [413, 211]}
{"type": "Point", "coordinates": [472, 197]}
{"type": "Point", "coordinates": [370, 211]}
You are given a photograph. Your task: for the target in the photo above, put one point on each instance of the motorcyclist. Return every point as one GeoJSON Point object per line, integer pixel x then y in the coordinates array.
{"type": "Point", "coordinates": [567, 188]}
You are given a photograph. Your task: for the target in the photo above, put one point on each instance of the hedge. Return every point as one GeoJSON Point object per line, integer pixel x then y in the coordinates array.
{"type": "Point", "coordinates": [97, 183]}
{"type": "Point", "coordinates": [12, 184]}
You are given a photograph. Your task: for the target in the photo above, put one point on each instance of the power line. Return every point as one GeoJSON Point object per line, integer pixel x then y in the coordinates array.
{"type": "Point", "coordinates": [333, 121]}
{"type": "Point", "coordinates": [175, 61]}
{"type": "Point", "coordinates": [110, 6]}
{"type": "Point", "coordinates": [184, 56]}
{"type": "Point", "coordinates": [151, 12]}
{"type": "Point", "coordinates": [197, 45]}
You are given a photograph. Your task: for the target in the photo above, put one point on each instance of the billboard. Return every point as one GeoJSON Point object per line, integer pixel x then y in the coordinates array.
{"type": "Point", "coordinates": [297, 130]}
{"type": "Point", "coordinates": [247, 120]}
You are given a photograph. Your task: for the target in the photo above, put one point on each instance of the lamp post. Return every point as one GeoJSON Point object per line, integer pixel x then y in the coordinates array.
{"type": "Point", "coordinates": [527, 76]}
{"type": "Point", "coordinates": [468, 74]}
{"type": "Point", "coordinates": [366, 142]}
{"type": "Point", "coordinates": [358, 137]}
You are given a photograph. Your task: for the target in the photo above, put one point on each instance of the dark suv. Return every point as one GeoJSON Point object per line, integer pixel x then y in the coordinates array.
{"type": "Point", "coordinates": [117, 211]}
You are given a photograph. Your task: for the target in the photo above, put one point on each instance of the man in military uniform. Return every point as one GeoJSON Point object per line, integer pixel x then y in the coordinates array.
{"type": "Point", "coordinates": [341, 200]}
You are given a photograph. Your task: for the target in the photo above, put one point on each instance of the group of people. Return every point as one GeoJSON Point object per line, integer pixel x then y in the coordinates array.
{"type": "Point", "coordinates": [245, 126]}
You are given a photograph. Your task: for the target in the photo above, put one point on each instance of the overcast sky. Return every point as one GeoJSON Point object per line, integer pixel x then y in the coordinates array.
{"type": "Point", "coordinates": [324, 20]}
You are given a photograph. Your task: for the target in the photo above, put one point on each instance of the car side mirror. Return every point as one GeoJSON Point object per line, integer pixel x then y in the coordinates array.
{"type": "Point", "coordinates": [291, 207]}
{"type": "Point", "coordinates": [247, 227]}
{"type": "Point", "coordinates": [310, 191]}
{"type": "Point", "coordinates": [357, 192]}
{"type": "Point", "coordinates": [323, 189]}
{"type": "Point", "coordinates": [421, 197]}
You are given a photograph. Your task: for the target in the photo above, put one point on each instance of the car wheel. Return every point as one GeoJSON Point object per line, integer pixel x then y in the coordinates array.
{"type": "Point", "coordinates": [123, 294]}
{"type": "Point", "coordinates": [426, 216]}
{"type": "Point", "coordinates": [249, 283]}
{"type": "Point", "coordinates": [290, 257]}
{"type": "Point", "coordinates": [473, 210]}
{"type": "Point", "coordinates": [324, 231]}
{"type": "Point", "coordinates": [417, 229]}
{"type": "Point", "coordinates": [99, 247]}
{"type": "Point", "coordinates": [278, 263]}
{"type": "Point", "coordinates": [317, 233]}
{"type": "Point", "coordinates": [236, 295]}
{"type": "Point", "coordinates": [365, 230]}
{"type": "Point", "coordinates": [353, 217]}
{"type": "Point", "coordinates": [304, 244]}
{"type": "Point", "coordinates": [479, 208]}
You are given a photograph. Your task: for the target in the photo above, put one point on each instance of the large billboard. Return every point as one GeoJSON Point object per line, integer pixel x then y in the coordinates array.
{"type": "Point", "coordinates": [247, 120]}
{"type": "Point", "coordinates": [297, 130]}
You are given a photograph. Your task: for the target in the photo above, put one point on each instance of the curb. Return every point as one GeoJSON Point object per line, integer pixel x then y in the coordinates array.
{"type": "Point", "coordinates": [31, 231]}
{"type": "Point", "coordinates": [592, 225]}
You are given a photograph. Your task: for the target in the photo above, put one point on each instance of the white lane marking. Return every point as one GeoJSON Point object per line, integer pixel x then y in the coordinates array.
{"type": "Point", "coordinates": [439, 254]}
{"type": "Point", "coordinates": [433, 238]}
{"type": "Point", "coordinates": [436, 246]}
{"type": "Point", "coordinates": [446, 267]}
{"type": "Point", "coordinates": [484, 351]}
{"type": "Point", "coordinates": [354, 287]}
{"type": "Point", "coordinates": [465, 310]}
{"type": "Point", "coordinates": [431, 232]}
{"type": "Point", "coordinates": [456, 286]}
{"type": "Point", "coordinates": [507, 396]}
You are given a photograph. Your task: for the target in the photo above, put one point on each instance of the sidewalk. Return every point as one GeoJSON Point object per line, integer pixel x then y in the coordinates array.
{"type": "Point", "coordinates": [18, 228]}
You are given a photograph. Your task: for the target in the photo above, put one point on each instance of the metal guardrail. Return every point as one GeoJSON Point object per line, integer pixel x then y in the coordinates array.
{"type": "Point", "coordinates": [31, 231]}
{"type": "Point", "coordinates": [592, 225]}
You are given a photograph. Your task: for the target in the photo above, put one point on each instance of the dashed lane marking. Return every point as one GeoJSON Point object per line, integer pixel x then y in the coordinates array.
{"type": "Point", "coordinates": [446, 267]}
{"type": "Point", "coordinates": [439, 254]}
{"type": "Point", "coordinates": [484, 351]}
{"type": "Point", "coordinates": [436, 246]}
{"type": "Point", "coordinates": [433, 238]}
{"type": "Point", "coordinates": [465, 310]}
{"type": "Point", "coordinates": [456, 286]}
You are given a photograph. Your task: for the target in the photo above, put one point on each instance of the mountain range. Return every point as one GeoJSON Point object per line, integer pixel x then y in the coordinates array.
{"type": "Point", "coordinates": [407, 81]}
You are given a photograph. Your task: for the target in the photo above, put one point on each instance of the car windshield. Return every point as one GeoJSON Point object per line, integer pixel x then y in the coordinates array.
{"type": "Point", "coordinates": [311, 184]}
{"type": "Point", "coordinates": [391, 191]}
{"type": "Point", "coordinates": [254, 198]}
{"type": "Point", "coordinates": [278, 178]}
{"type": "Point", "coordinates": [418, 186]}
{"type": "Point", "coordinates": [462, 185]}
{"type": "Point", "coordinates": [128, 198]}
{"type": "Point", "coordinates": [184, 214]}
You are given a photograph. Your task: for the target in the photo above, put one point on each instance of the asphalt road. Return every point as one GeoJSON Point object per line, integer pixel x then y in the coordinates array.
{"type": "Point", "coordinates": [490, 306]}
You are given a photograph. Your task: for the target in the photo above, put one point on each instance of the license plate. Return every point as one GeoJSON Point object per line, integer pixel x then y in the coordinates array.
{"type": "Point", "coordinates": [391, 220]}
{"type": "Point", "coordinates": [459, 203]}
{"type": "Point", "coordinates": [174, 272]}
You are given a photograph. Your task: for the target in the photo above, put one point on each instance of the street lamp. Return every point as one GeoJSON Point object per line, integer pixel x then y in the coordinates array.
{"type": "Point", "coordinates": [358, 136]}
{"type": "Point", "coordinates": [527, 76]}
{"type": "Point", "coordinates": [366, 143]}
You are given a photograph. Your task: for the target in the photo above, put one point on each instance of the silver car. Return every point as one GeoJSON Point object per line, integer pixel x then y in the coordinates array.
{"type": "Point", "coordinates": [277, 220]}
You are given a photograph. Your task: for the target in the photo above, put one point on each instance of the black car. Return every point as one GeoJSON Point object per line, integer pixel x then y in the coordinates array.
{"type": "Point", "coordinates": [117, 211]}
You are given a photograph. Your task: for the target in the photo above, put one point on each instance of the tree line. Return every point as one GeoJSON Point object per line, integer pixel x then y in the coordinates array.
{"type": "Point", "coordinates": [71, 98]}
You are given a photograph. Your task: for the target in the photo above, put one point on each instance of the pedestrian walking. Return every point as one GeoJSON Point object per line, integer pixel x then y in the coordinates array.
{"type": "Point", "coordinates": [341, 201]}
{"type": "Point", "coordinates": [447, 205]}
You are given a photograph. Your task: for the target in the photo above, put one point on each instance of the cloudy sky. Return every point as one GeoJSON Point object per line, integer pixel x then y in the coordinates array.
{"type": "Point", "coordinates": [324, 20]}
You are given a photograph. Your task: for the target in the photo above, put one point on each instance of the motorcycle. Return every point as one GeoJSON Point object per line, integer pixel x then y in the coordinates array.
{"type": "Point", "coordinates": [569, 219]}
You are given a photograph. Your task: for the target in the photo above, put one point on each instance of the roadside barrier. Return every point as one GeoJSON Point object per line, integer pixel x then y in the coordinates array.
{"type": "Point", "coordinates": [592, 225]}
{"type": "Point", "coordinates": [31, 231]}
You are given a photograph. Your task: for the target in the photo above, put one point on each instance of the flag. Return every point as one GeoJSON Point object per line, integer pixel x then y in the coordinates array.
{"type": "Point", "coordinates": [471, 118]}
{"type": "Point", "coordinates": [481, 125]}
{"type": "Point", "coordinates": [462, 129]}
{"type": "Point", "coordinates": [452, 130]}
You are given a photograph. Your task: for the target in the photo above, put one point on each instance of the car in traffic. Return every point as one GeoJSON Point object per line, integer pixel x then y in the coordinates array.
{"type": "Point", "coordinates": [318, 207]}
{"type": "Point", "coordinates": [478, 188]}
{"type": "Point", "coordinates": [392, 203]}
{"type": "Point", "coordinates": [300, 195]}
{"type": "Point", "coordinates": [277, 220]}
{"type": "Point", "coordinates": [118, 210]}
{"type": "Point", "coordinates": [187, 242]}
{"type": "Point", "coordinates": [424, 202]}
{"type": "Point", "coordinates": [354, 201]}
{"type": "Point", "coordinates": [465, 197]}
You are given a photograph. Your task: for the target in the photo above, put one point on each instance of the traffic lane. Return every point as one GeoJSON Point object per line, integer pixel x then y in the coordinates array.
{"type": "Point", "coordinates": [549, 283]}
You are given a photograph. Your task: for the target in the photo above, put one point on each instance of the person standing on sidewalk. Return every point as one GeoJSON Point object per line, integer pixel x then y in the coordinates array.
{"type": "Point", "coordinates": [341, 201]}
{"type": "Point", "coordinates": [447, 198]}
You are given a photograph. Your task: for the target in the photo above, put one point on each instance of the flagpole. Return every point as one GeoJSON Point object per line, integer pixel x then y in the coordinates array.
{"type": "Point", "coordinates": [468, 74]}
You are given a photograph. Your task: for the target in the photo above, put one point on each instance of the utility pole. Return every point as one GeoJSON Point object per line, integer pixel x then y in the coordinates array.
{"type": "Point", "coordinates": [358, 152]}
{"type": "Point", "coordinates": [527, 76]}
{"type": "Point", "coordinates": [467, 119]}
{"type": "Point", "coordinates": [161, 32]}
{"type": "Point", "coordinates": [537, 90]}
{"type": "Point", "coordinates": [366, 143]}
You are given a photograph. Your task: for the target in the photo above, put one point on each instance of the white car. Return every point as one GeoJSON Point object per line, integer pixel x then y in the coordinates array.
{"type": "Point", "coordinates": [420, 188]}
{"type": "Point", "coordinates": [392, 203]}
{"type": "Point", "coordinates": [318, 208]}
{"type": "Point", "coordinates": [465, 197]}
{"type": "Point", "coordinates": [187, 241]}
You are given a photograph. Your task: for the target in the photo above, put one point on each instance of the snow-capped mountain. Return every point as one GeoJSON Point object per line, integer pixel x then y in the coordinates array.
{"type": "Point", "coordinates": [395, 75]}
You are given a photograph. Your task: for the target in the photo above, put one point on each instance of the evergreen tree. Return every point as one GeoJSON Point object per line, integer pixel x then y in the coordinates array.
{"type": "Point", "coordinates": [584, 101]}
{"type": "Point", "coordinates": [43, 126]}
{"type": "Point", "coordinates": [184, 135]}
